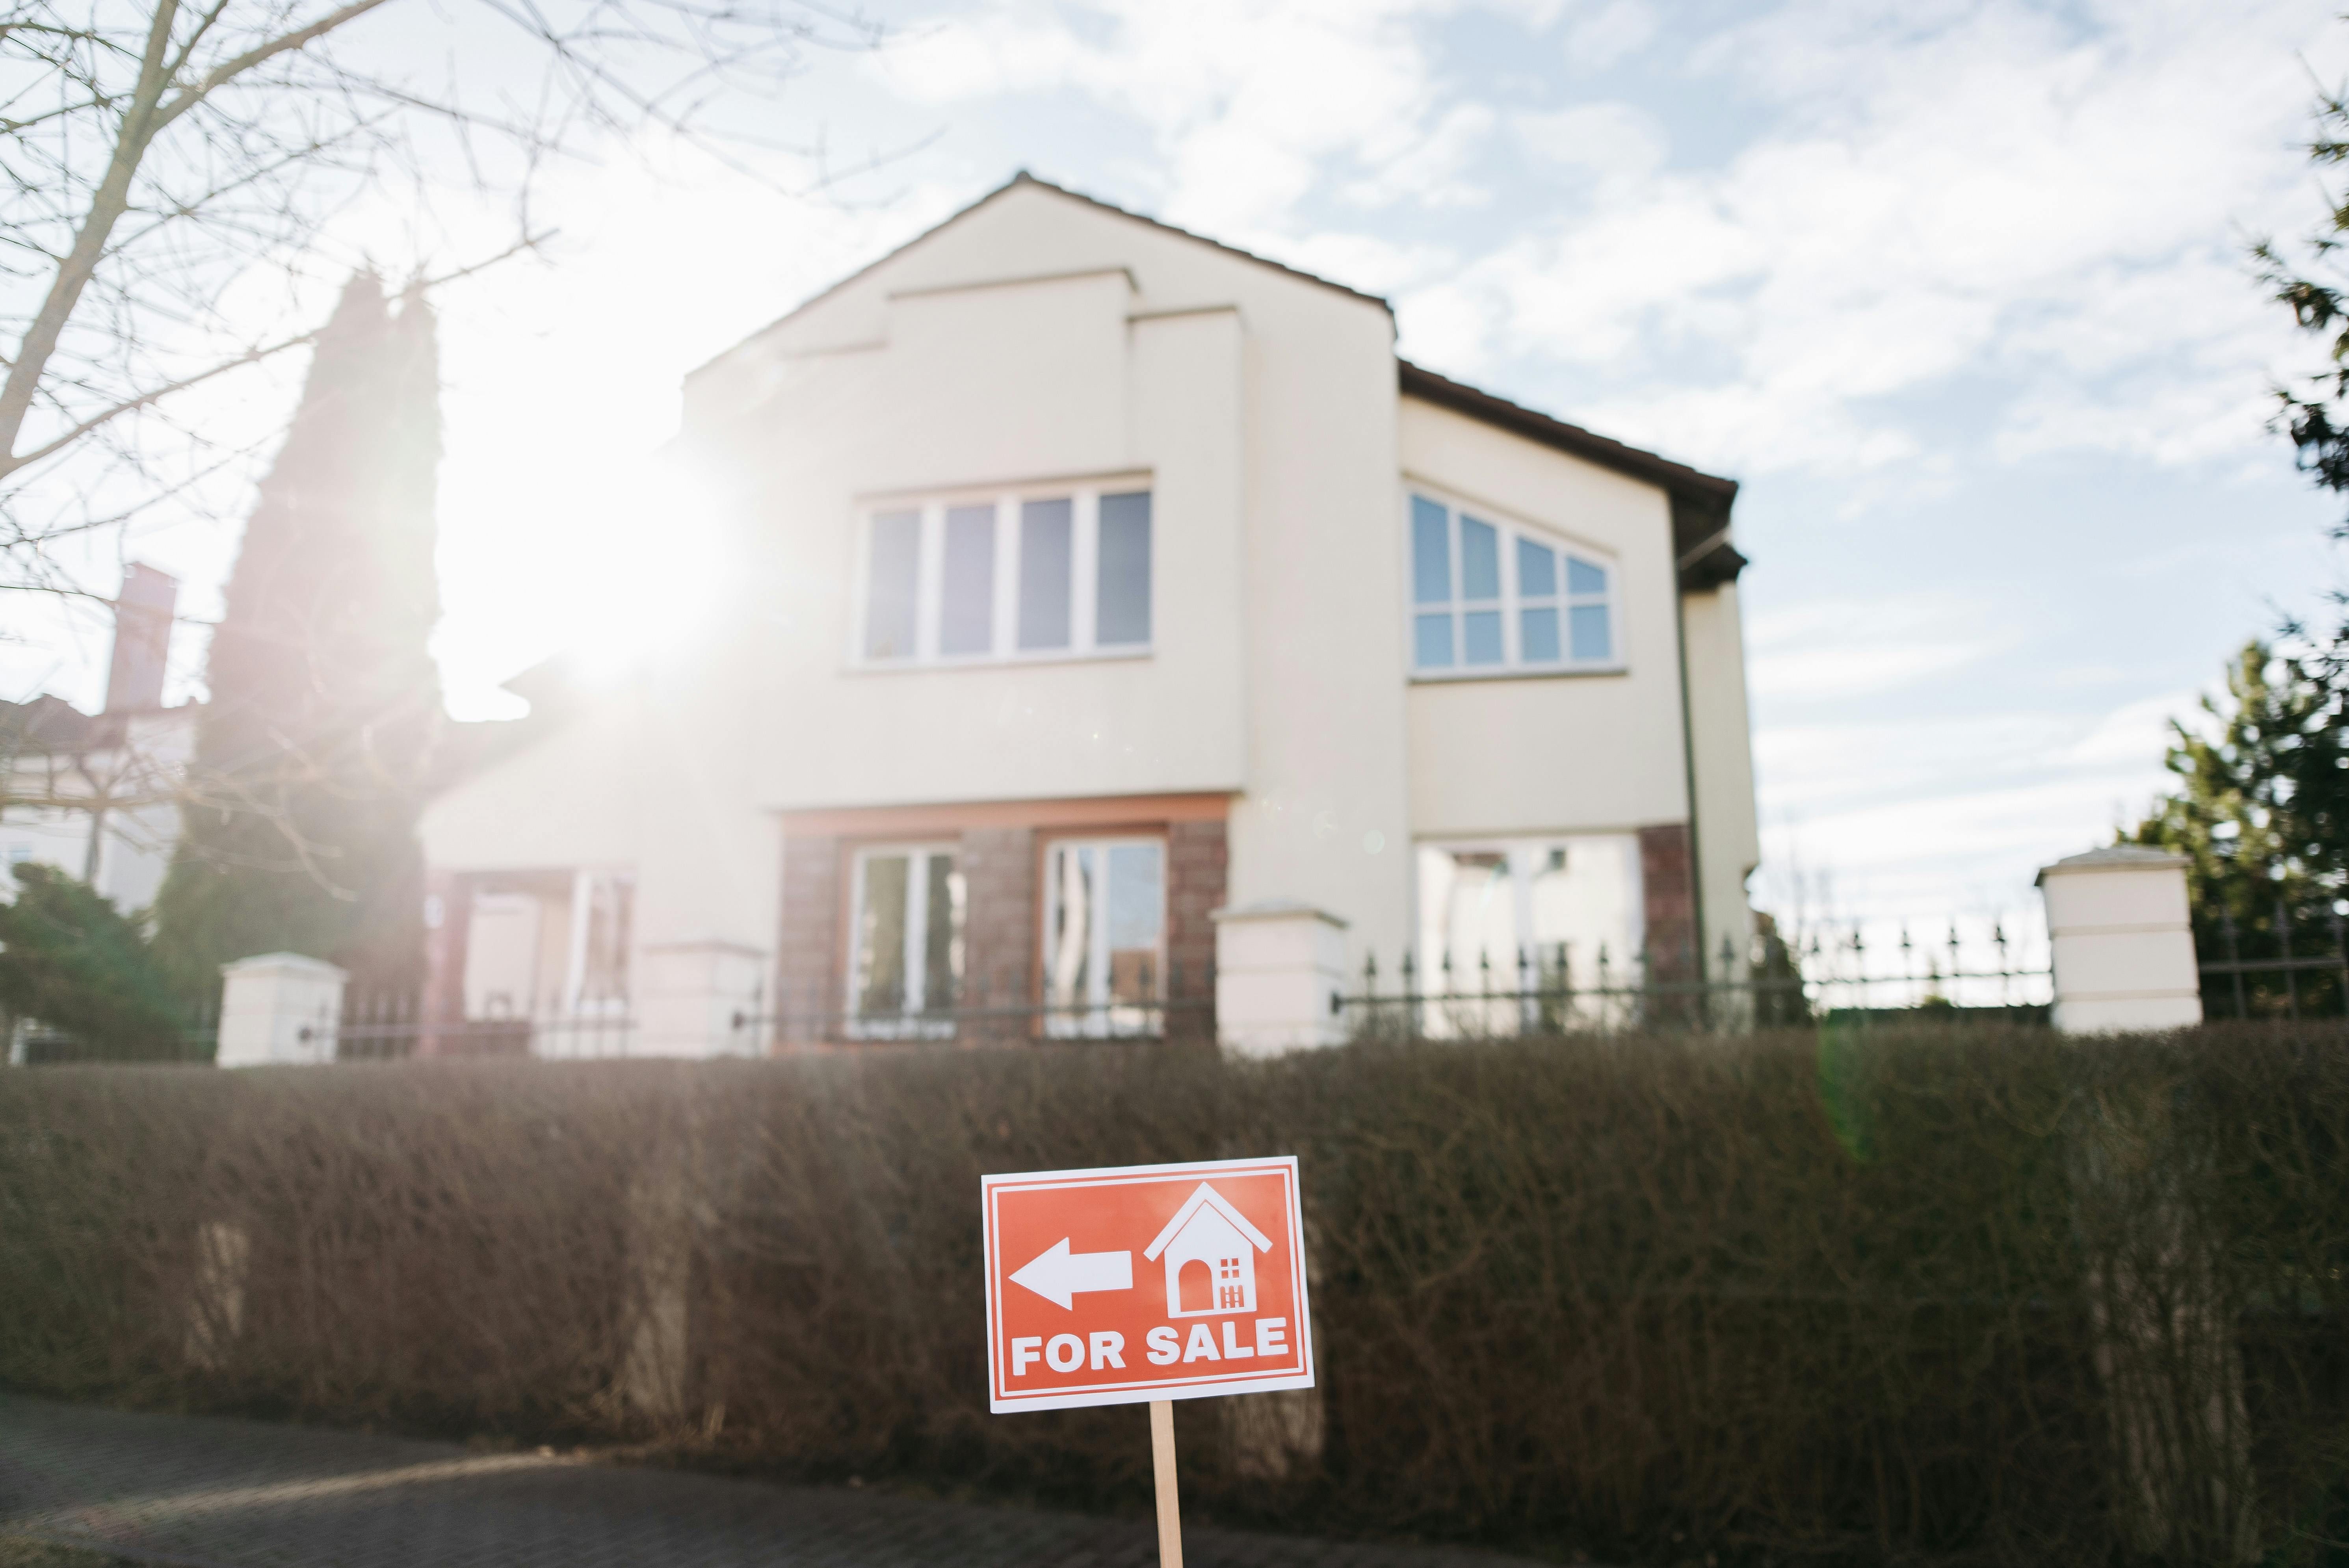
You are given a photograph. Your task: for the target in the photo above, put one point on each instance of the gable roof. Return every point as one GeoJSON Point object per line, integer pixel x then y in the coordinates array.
{"type": "Point", "coordinates": [1206, 1197]}
{"type": "Point", "coordinates": [1701, 502]}
{"type": "Point", "coordinates": [1017, 181]}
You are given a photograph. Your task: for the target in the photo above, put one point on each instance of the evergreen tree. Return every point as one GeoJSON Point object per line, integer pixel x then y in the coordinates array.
{"type": "Point", "coordinates": [72, 960]}
{"type": "Point", "coordinates": [2256, 806]}
{"type": "Point", "coordinates": [311, 754]}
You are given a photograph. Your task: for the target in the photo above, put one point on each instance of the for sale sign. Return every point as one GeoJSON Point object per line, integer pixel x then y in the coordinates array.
{"type": "Point", "coordinates": [1144, 1281]}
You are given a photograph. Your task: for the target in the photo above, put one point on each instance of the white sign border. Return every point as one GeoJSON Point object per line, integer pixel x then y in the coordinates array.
{"type": "Point", "coordinates": [1143, 1393]}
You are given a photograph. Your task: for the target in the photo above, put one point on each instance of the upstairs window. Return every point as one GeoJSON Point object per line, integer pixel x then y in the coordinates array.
{"type": "Point", "coordinates": [1051, 575]}
{"type": "Point", "coordinates": [1487, 598]}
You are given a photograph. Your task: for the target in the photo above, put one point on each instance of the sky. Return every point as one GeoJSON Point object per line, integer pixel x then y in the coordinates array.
{"type": "Point", "coordinates": [1958, 292]}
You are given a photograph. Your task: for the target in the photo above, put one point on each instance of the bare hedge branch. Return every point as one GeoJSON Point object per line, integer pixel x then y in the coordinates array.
{"type": "Point", "coordinates": [1954, 1297]}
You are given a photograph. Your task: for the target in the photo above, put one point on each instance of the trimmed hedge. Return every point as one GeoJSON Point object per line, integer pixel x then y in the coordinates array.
{"type": "Point", "coordinates": [1874, 1297]}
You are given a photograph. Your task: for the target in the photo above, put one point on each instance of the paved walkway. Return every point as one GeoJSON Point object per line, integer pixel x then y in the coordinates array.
{"type": "Point", "coordinates": [211, 1493]}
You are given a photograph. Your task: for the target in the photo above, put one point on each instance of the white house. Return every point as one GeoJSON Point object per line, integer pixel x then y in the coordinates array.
{"type": "Point", "coordinates": [1087, 577]}
{"type": "Point", "coordinates": [1209, 1249]}
{"type": "Point", "coordinates": [97, 795]}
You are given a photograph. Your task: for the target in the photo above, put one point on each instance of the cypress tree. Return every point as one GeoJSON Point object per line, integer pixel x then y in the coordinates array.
{"type": "Point", "coordinates": [312, 752]}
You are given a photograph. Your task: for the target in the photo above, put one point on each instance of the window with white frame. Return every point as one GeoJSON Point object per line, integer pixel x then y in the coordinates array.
{"type": "Point", "coordinates": [906, 954]}
{"type": "Point", "coordinates": [1488, 597]}
{"type": "Point", "coordinates": [1007, 577]}
{"type": "Point", "coordinates": [1104, 936]}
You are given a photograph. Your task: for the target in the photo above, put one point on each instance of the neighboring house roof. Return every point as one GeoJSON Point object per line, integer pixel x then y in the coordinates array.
{"type": "Point", "coordinates": [50, 726]}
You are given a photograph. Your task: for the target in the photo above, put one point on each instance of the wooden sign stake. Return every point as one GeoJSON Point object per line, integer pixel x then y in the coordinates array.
{"type": "Point", "coordinates": [1162, 1465]}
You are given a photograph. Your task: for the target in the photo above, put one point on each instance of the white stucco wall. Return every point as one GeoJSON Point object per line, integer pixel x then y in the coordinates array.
{"type": "Point", "coordinates": [1260, 408]}
{"type": "Point", "coordinates": [1564, 753]}
{"type": "Point", "coordinates": [571, 798]}
{"type": "Point", "coordinates": [1729, 839]}
{"type": "Point", "coordinates": [1041, 341]}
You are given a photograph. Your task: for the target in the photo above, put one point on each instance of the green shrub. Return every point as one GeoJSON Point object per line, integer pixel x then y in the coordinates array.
{"type": "Point", "coordinates": [72, 961]}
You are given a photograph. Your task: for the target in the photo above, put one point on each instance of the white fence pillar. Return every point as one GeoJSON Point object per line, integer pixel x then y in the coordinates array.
{"type": "Point", "coordinates": [1280, 970]}
{"type": "Point", "coordinates": [279, 1009]}
{"type": "Point", "coordinates": [2122, 946]}
{"type": "Point", "coordinates": [689, 994]}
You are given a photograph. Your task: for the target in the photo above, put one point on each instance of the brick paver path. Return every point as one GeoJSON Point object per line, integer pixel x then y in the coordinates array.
{"type": "Point", "coordinates": [211, 1493]}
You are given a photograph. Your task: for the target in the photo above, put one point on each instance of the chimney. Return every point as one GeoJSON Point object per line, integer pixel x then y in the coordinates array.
{"type": "Point", "coordinates": [142, 638]}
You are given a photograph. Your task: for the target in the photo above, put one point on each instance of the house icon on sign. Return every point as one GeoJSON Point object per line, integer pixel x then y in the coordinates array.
{"type": "Point", "coordinates": [1210, 1251]}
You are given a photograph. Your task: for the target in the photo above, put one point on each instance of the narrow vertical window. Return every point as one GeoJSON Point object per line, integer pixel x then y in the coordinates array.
{"type": "Point", "coordinates": [966, 589]}
{"type": "Point", "coordinates": [1105, 937]}
{"type": "Point", "coordinates": [1538, 597]}
{"type": "Point", "coordinates": [1480, 592]}
{"type": "Point", "coordinates": [880, 977]}
{"type": "Point", "coordinates": [1431, 584]}
{"type": "Point", "coordinates": [942, 939]}
{"type": "Point", "coordinates": [893, 585]}
{"type": "Point", "coordinates": [1122, 605]}
{"type": "Point", "coordinates": [1046, 573]}
{"type": "Point", "coordinates": [906, 963]}
{"type": "Point", "coordinates": [1592, 637]}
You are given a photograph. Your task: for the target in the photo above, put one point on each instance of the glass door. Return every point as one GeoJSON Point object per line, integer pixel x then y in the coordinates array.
{"type": "Point", "coordinates": [1105, 937]}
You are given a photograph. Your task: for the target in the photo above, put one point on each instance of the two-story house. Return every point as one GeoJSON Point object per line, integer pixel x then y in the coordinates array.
{"type": "Point", "coordinates": [1086, 577]}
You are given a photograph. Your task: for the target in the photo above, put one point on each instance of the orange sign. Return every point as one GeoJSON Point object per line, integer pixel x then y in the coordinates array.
{"type": "Point", "coordinates": [1144, 1281]}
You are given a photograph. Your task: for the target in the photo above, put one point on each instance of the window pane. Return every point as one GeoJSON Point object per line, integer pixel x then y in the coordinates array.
{"type": "Point", "coordinates": [1122, 606]}
{"type": "Point", "coordinates": [1137, 920]}
{"type": "Point", "coordinates": [1481, 631]}
{"type": "Point", "coordinates": [880, 974]}
{"type": "Point", "coordinates": [1430, 554]}
{"type": "Point", "coordinates": [1480, 560]}
{"type": "Point", "coordinates": [1045, 573]}
{"type": "Point", "coordinates": [966, 611]}
{"type": "Point", "coordinates": [897, 566]}
{"type": "Point", "coordinates": [942, 942]}
{"type": "Point", "coordinates": [1538, 631]}
{"type": "Point", "coordinates": [1431, 642]}
{"type": "Point", "coordinates": [1581, 577]}
{"type": "Point", "coordinates": [1536, 570]}
{"type": "Point", "coordinates": [1588, 629]}
{"type": "Point", "coordinates": [1068, 923]}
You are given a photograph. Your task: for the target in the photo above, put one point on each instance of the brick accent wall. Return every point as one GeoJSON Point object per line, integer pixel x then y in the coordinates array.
{"type": "Point", "coordinates": [1196, 856]}
{"type": "Point", "coordinates": [1668, 885]}
{"type": "Point", "coordinates": [807, 966]}
{"type": "Point", "coordinates": [1001, 917]}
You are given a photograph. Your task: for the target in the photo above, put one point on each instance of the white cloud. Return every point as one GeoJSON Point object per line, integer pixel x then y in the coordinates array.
{"type": "Point", "coordinates": [1946, 191]}
{"type": "Point", "coordinates": [1611, 34]}
{"type": "Point", "coordinates": [1616, 142]}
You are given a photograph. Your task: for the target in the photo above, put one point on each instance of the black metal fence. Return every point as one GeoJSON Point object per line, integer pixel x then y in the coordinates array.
{"type": "Point", "coordinates": [2285, 958]}
{"type": "Point", "coordinates": [1771, 983]}
{"type": "Point", "coordinates": [1135, 1010]}
{"type": "Point", "coordinates": [1846, 969]}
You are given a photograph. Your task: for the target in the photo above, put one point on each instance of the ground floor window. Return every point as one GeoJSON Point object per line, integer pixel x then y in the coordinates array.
{"type": "Point", "coordinates": [1542, 913]}
{"type": "Point", "coordinates": [1104, 936]}
{"type": "Point", "coordinates": [905, 963]}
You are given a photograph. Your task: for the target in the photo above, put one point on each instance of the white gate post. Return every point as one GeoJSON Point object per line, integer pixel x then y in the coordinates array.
{"type": "Point", "coordinates": [2123, 946]}
{"type": "Point", "coordinates": [280, 1009]}
{"type": "Point", "coordinates": [1280, 969]}
{"type": "Point", "coordinates": [690, 994]}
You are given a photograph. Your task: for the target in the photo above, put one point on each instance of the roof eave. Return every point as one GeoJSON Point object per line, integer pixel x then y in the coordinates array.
{"type": "Point", "coordinates": [1024, 178]}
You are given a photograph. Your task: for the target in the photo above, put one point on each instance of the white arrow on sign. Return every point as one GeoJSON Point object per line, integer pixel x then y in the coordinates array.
{"type": "Point", "coordinates": [1058, 1275]}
